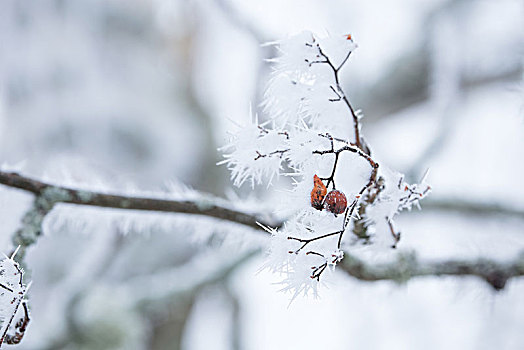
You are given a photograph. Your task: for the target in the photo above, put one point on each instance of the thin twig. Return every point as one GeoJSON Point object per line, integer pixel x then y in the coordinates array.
{"type": "Point", "coordinates": [307, 241]}
{"type": "Point", "coordinates": [279, 152]}
{"type": "Point", "coordinates": [395, 234]}
{"type": "Point", "coordinates": [341, 94]}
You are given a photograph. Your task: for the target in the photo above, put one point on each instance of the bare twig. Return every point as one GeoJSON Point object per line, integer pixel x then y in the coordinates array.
{"type": "Point", "coordinates": [307, 241]}
{"type": "Point", "coordinates": [394, 233]}
{"type": "Point", "coordinates": [341, 94]}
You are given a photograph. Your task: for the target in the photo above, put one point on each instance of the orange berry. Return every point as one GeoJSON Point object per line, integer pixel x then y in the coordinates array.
{"type": "Point", "coordinates": [318, 193]}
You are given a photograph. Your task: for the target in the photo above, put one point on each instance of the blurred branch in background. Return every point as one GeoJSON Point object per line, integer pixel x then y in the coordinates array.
{"type": "Point", "coordinates": [239, 21]}
{"type": "Point", "coordinates": [266, 51]}
{"type": "Point", "coordinates": [472, 207]}
{"type": "Point", "coordinates": [440, 55]}
{"type": "Point", "coordinates": [166, 297]}
{"type": "Point", "coordinates": [236, 320]}
{"type": "Point", "coordinates": [88, 271]}
{"type": "Point", "coordinates": [180, 286]}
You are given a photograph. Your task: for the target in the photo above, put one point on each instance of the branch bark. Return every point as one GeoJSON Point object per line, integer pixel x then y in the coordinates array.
{"type": "Point", "coordinates": [58, 194]}
{"type": "Point", "coordinates": [407, 266]}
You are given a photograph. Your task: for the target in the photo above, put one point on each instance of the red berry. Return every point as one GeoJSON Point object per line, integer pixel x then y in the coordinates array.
{"type": "Point", "coordinates": [336, 202]}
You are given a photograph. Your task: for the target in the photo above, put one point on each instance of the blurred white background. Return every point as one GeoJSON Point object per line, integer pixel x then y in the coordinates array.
{"type": "Point", "coordinates": [139, 94]}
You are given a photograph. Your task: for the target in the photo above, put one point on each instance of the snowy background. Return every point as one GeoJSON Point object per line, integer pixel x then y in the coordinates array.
{"type": "Point", "coordinates": [137, 95]}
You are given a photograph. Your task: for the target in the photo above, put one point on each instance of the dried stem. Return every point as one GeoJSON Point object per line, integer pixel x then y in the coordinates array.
{"type": "Point", "coordinates": [318, 270]}
{"type": "Point", "coordinates": [395, 234]}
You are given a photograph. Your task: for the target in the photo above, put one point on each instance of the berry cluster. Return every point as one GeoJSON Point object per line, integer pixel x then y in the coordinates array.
{"type": "Point", "coordinates": [334, 202]}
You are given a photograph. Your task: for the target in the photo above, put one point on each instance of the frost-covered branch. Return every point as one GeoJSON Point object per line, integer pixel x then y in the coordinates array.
{"type": "Point", "coordinates": [408, 266]}
{"type": "Point", "coordinates": [47, 195]}
{"type": "Point", "coordinates": [305, 103]}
